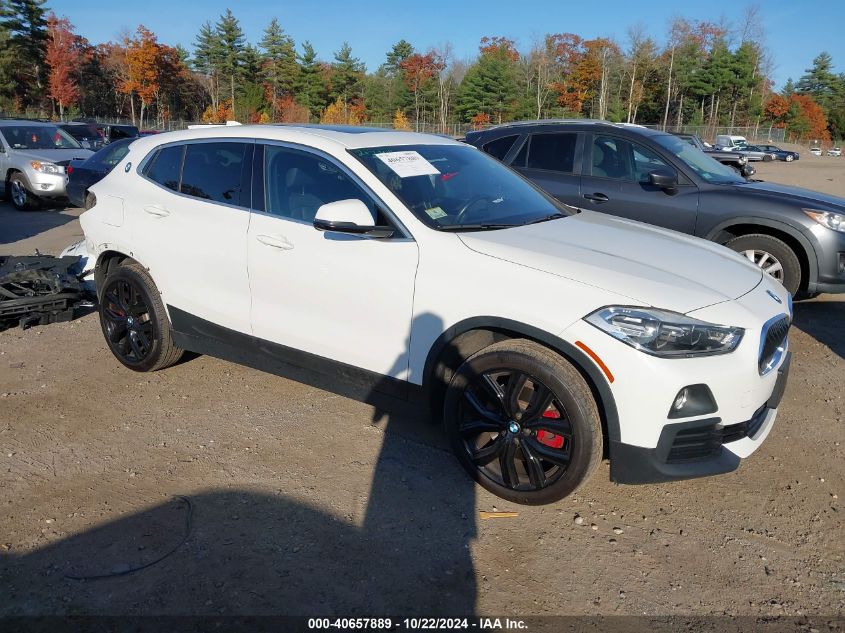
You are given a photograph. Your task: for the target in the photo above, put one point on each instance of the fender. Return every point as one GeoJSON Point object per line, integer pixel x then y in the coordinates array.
{"type": "Point", "coordinates": [596, 379]}
{"type": "Point", "coordinates": [795, 232]}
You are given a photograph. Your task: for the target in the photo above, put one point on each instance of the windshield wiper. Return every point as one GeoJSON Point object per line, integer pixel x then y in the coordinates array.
{"type": "Point", "coordinates": [474, 227]}
{"type": "Point", "coordinates": [551, 216]}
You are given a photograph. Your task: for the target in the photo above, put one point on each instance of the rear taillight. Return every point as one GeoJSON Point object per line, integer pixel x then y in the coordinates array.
{"type": "Point", "coordinates": [69, 170]}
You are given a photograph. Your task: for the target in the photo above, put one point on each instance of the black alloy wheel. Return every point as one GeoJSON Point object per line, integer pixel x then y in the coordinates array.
{"type": "Point", "coordinates": [126, 322]}
{"type": "Point", "coordinates": [515, 431]}
{"type": "Point", "coordinates": [523, 422]}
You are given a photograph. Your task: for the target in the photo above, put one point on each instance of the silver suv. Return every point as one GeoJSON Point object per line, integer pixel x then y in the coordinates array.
{"type": "Point", "coordinates": [33, 157]}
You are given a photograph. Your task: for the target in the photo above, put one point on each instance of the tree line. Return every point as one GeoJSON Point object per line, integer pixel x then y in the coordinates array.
{"type": "Point", "coordinates": [708, 74]}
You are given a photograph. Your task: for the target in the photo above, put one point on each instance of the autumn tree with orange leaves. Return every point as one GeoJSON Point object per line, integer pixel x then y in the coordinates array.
{"type": "Point", "coordinates": [143, 68]}
{"type": "Point", "coordinates": [63, 60]}
{"type": "Point", "coordinates": [417, 70]}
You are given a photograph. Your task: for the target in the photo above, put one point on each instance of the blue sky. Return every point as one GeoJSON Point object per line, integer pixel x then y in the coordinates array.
{"type": "Point", "coordinates": [796, 31]}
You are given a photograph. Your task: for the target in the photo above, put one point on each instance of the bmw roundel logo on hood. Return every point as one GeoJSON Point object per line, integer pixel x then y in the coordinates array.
{"type": "Point", "coordinates": [774, 296]}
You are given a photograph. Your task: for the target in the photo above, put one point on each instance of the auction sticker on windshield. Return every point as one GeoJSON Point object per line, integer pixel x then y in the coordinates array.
{"type": "Point", "coordinates": [407, 164]}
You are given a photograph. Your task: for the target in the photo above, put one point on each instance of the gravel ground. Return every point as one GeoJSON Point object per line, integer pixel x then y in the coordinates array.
{"type": "Point", "coordinates": [303, 502]}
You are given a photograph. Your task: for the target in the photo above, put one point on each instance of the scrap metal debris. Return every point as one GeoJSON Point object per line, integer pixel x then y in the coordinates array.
{"type": "Point", "coordinates": [498, 515]}
{"type": "Point", "coordinates": [41, 289]}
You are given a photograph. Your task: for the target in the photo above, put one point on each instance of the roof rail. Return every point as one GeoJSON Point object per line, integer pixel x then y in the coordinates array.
{"type": "Point", "coordinates": [545, 122]}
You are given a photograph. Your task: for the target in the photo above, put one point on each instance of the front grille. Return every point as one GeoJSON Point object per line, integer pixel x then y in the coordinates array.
{"type": "Point", "coordinates": [705, 441]}
{"type": "Point", "coordinates": [772, 344]}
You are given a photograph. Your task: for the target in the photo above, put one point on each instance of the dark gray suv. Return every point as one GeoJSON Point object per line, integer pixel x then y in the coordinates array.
{"type": "Point", "coordinates": [796, 235]}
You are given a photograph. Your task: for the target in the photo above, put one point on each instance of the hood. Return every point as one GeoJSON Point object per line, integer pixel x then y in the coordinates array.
{"type": "Point", "coordinates": [804, 197]}
{"type": "Point", "coordinates": [646, 264]}
{"type": "Point", "coordinates": [58, 156]}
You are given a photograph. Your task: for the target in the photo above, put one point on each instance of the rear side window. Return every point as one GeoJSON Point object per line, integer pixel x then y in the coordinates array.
{"type": "Point", "coordinates": [217, 172]}
{"type": "Point", "coordinates": [165, 166]}
{"type": "Point", "coordinates": [500, 147]}
{"type": "Point", "coordinates": [553, 152]}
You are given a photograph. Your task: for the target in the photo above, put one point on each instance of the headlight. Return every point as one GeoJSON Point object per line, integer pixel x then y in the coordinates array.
{"type": "Point", "coordinates": [665, 334]}
{"type": "Point", "coordinates": [46, 168]}
{"type": "Point", "coordinates": [835, 221]}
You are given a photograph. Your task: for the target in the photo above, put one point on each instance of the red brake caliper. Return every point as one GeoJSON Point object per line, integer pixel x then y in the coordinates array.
{"type": "Point", "coordinates": [552, 440]}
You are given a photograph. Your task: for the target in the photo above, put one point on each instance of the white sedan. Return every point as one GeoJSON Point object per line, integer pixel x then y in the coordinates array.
{"type": "Point", "coordinates": [405, 268]}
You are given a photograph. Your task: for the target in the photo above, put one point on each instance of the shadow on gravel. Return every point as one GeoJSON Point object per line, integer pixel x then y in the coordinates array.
{"type": "Point", "coordinates": [823, 321]}
{"type": "Point", "coordinates": [20, 225]}
{"type": "Point", "coordinates": [250, 553]}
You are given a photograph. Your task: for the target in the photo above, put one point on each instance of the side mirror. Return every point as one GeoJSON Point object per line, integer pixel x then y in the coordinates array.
{"type": "Point", "coordinates": [664, 178]}
{"type": "Point", "coordinates": [349, 216]}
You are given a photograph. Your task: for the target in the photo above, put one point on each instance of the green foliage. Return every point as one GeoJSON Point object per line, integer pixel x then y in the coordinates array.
{"type": "Point", "coordinates": [309, 88]}
{"type": "Point", "coordinates": [489, 87]}
{"type": "Point", "coordinates": [280, 68]}
{"type": "Point", "coordinates": [347, 74]}
{"type": "Point", "coordinates": [25, 24]}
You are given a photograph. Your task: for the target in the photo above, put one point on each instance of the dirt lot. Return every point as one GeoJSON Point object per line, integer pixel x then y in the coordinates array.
{"type": "Point", "coordinates": [304, 502]}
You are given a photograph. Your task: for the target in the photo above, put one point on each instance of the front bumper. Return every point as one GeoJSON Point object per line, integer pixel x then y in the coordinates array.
{"type": "Point", "coordinates": [46, 185]}
{"type": "Point", "coordinates": [700, 448]}
{"type": "Point", "coordinates": [830, 251]}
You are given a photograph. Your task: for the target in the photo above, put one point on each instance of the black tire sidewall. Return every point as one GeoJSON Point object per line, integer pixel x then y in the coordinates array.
{"type": "Point", "coordinates": [159, 321]}
{"type": "Point", "coordinates": [779, 249]}
{"type": "Point", "coordinates": [583, 433]}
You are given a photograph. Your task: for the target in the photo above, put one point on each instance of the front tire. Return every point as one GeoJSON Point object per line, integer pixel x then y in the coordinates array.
{"type": "Point", "coordinates": [134, 321]}
{"type": "Point", "coordinates": [789, 158]}
{"type": "Point", "coordinates": [523, 422]}
{"type": "Point", "coordinates": [90, 200]}
{"type": "Point", "coordinates": [774, 256]}
{"type": "Point", "coordinates": [20, 195]}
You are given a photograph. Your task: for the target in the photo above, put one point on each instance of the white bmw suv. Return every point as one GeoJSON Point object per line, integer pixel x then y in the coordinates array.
{"type": "Point", "coordinates": [411, 269]}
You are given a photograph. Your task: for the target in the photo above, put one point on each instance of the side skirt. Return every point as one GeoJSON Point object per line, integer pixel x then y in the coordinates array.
{"type": "Point", "coordinates": [203, 337]}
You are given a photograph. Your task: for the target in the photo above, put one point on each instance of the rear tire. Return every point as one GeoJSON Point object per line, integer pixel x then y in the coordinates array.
{"type": "Point", "coordinates": [523, 422]}
{"type": "Point", "coordinates": [134, 321]}
{"type": "Point", "coordinates": [773, 255]}
{"type": "Point", "coordinates": [767, 159]}
{"type": "Point", "coordinates": [90, 200]}
{"type": "Point", "coordinates": [20, 195]}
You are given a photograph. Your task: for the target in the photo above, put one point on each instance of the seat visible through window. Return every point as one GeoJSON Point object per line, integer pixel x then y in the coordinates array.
{"type": "Point", "coordinates": [298, 183]}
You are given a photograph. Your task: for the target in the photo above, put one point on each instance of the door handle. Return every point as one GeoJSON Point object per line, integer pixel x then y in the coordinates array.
{"type": "Point", "coordinates": [157, 211]}
{"type": "Point", "coordinates": [275, 241]}
{"type": "Point", "coordinates": [596, 197]}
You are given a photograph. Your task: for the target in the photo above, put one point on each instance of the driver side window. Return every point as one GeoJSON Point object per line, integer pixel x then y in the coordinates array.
{"type": "Point", "coordinates": [298, 183]}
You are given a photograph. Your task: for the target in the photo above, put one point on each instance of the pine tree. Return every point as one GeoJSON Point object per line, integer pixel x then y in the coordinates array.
{"type": "Point", "coordinates": [347, 73]}
{"type": "Point", "coordinates": [281, 70]}
{"type": "Point", "coordinates": [820, 82]}
{"type": "Point", "coordinates": [207, 61]}
{"type": "Point", "coordinates": [398, 53]}
{"type": "Point", "coordinates": [489, 87]}
{"type": "Point", "coordinates": [310, 89]}
{"type": "Point", "coordinates": [232, 49]}
{"type": "Point", "coordinates": [25, 21]}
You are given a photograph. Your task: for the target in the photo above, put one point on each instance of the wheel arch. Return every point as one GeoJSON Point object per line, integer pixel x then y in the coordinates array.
{"type": "Point", "coordinates": [793, 237]}
{"type": "Point", "coordinates": [469, 336]}
{"type": "Point", "coordinates": [105, 262]}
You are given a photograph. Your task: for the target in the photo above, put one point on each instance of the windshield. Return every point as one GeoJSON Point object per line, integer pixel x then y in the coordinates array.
{"type": "Point", "coordinates": [81, 132]}
{"type": "Point", "coordinates": [38, 137]}
{"type": "Point", "coordinates": [457, 187]}
{"type": "Point", "coordinates": [706, 167]}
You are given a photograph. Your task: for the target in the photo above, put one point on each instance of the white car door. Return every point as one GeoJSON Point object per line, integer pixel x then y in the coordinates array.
{"type": "Point", "coordinates": [341, 297]}
{"type": "Point", "coordinates": [189, 224]}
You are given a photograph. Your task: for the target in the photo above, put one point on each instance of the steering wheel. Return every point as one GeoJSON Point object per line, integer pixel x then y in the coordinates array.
{"type": "Point", "coordinates": [464, 210]}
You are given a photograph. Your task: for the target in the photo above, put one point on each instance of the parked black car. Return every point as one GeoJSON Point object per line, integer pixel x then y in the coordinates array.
{"type": "Point", "coordinates": [87, 134]}
{"type": "Point", "coordinates": [115, 132]}
{"type": "Point", "coordinates": [737, 160]}
{"type": "Point", "coordinates": [796, 235]}
{"type": "Point", "coordinates": [81, 174]}
{"type": "Point", "coordinates": [780, 154]}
